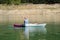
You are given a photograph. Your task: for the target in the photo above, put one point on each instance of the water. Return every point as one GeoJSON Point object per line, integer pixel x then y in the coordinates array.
{"type": "Point", "coordinates": [38, 33]}
{"type": "Point", "coordinates": [9, 33]}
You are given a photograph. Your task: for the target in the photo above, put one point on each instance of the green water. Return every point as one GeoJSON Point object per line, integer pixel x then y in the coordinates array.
{"type": "Point", "coordinates": [7, 32]}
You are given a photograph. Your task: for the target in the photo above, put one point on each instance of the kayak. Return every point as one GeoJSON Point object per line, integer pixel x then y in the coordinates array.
{"type": "Point", "coordinates": [18, 25]}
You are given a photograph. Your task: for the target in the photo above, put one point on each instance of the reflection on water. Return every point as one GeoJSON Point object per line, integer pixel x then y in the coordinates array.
{"type": "Point", "coordinates": [53, 33]}
{"type": "Point", "coordinates": [38, 34]}
{"type": "Point", "coordinates": [35, 31]}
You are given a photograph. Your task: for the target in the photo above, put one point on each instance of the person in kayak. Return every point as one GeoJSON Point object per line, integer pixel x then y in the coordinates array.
{"type": "Point", "coordinates": [26, 21]}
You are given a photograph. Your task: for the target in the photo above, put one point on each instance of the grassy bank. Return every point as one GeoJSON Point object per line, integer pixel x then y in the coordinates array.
{"type": "Point", "coordinates": [29, 6]}
{"type": "Point", "coordinates": [35, 12]}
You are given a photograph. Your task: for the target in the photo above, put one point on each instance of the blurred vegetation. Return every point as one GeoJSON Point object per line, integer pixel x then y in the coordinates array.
{"type": "Point", "coordinates": [17, 2]}
{"type": "Point", "coordinates": [42, 1]}
{"type": "Point", "coordinates": [10, 2]}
